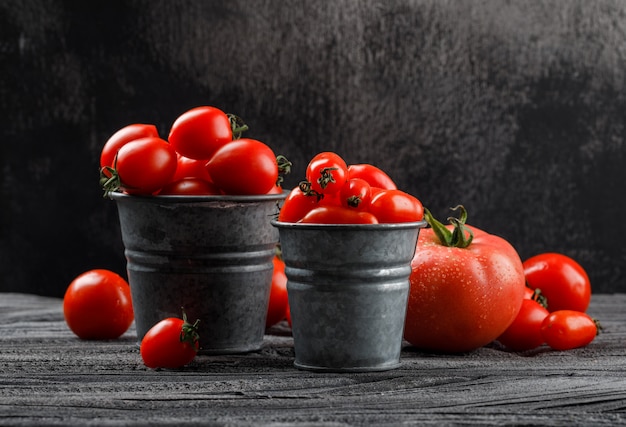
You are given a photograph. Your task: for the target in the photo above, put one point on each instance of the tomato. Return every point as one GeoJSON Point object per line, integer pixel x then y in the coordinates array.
{"type": "Point", "coordinates": [119, 139]}
{"type": "Point", "coordinates": [277, 309]}
{"type": "Point", "coordinates": [568, 329]}
{"type": "Point", "coordinates": [296, 205]}
{"type": "Point", "coordinates": [143, 166]}
{"type": "Point", "coordinates": [465, 291]}
{"type": "Point", "coordinates": [190, 187]}
{"type": "Point", "coordinates": [390, 206]}
{"type": "Point", "coordinates": [375, 176]}
{"type": "Point", "coordinates": [198, 133]}
{"type": "Point", "coordinates": [97, 305]}
{"type": "Point", "coordinates": [563, 281]}
{"type": "Point", "coordinates": [356, 193]}
{"type": "Point", "coordinates": [338, 215]}
{"type": "Point", "coordinates": [171, 343]}
{"type": "Point", "coordinates": [244, 166]}
{"type": "Point", "coordinates": [191, 168]}
{"type": "Point", "coordinates": [525, 331]}
{"type": "Point", "coordinates": [326, 172]}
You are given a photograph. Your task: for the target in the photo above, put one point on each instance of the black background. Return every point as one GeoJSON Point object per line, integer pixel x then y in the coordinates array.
{"type": "Point", "coordinates": [514, 109]}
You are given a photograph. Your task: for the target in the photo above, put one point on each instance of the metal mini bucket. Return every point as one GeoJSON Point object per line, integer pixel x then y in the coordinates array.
{"type": "Point", "coordinates": [211, 255]}
{"type": "Point", "coordinates": [348, 289]}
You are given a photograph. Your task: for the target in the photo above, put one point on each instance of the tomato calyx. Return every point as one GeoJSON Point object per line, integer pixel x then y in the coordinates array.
{"type": "Point", "coordinates": [326, 177]}
{"type": "Point", "coordinates": [307, 190]}
{"type": "Point", "coordinates": [539, 297]}
{"type": "Point", "coordinates": [189, 332]}
{"type": "Point", "coordinates": [284, 168]}
{"type": "Point", "coordinates": [460, 237]}
{"type": "Point", "coordinates": [237, 125]}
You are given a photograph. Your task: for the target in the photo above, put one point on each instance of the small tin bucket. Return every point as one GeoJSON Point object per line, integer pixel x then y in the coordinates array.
{"type": "Point", "coordinates": [209, 255]}
{"type": "Point", "coordinates": [348, 288]}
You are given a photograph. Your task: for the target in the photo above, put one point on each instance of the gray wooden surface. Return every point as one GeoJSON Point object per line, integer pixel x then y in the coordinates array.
{"type": "Point", "coordinates": [47, 377]}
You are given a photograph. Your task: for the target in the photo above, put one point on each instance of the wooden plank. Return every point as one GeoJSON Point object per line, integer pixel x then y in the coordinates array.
{"type": "Point", "coordinates": [47, 376]}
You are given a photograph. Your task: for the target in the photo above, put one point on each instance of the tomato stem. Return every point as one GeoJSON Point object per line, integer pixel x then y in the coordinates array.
{"type": "Point", "coordinates": [189, 332]}
{"type": "Point", "coordinates": [326, 177]}
{"type": "Point", "coordinates": [305, 187]}
{"type": "Point", "coordinates": [284, 168]}
{"type": "Point", "coordinates": [237, 125]}
{"type": "Point", "coordinates": [461, 236]}
{"type": "Point", "coordinates": [110, 182]}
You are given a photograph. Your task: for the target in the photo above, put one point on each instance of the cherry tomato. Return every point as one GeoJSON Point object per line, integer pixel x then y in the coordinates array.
{"type": "Point", "coordinates": [464, 293]}
{"type": "Point", "coordinates": [338, 215]}
{"type": "Point", "coordinates": [277, 309]}
{"type": "Point", "coordinates": [97, 305]}
{"type": "Point", "coordinates": [568, 329]}
{"type": "Point", "coordinates": [198, 133]}
{"type": "Point", "coordinates": [562, 281]}
{"type": "Point", "coordinates": [326, 172]}
{"type": "Point", "coordinates": [190, 187]}
{"type": "Point", "coordinates": [119, 139]}
{"type": "Point", "coordinates": [296, 205]}
{"type": "Point", "coordinates": [244, 166]}
{"type": "Point", "coordinates": [375, 176]}
{"type": "Point", "coordinates": [145, 165]}
{"type": "Point", "coordinates": [191, 168]}
{"type": "Point", "coordinates": [171, 343]}
{"type": "Point", "coordinates": [525, 331]}
{"type": "Point", "coordinates": [390, 206]}
{"type": "Point", "coordinates": [356, 193]}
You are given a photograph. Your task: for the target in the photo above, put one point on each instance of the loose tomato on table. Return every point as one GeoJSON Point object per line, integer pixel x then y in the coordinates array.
{"type": "Point", "coordinates": [466, 288]}
{"type": "Point", "coordinates": [562, 280]}
{"type": "Point", "coordinates": [244, 166]}
{"type": "Point", "coordinates": [525, 331]}
{"type": "Point", "coordinates": [97, 305]}
{"type": "Point", "coordinates": [568, 329]}
{"type": "Point", "coordinates": [171, 343]}
{"type": "Point", "coordinates": [279, 301]}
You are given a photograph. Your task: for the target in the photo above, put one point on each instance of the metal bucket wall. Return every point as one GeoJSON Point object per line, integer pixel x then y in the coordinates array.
{"type": "Point", "coordinates": [210, 255]}
{"type": "Point", "coordinates": [348, 289]}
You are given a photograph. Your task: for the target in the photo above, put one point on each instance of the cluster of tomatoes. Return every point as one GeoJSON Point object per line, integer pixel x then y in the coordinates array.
{"type": "Point", "coordinates": [554, 307]}
{"type": "Point", "coordinates": [203, 149]}
{"type": "Point", "coordinates": [337, 193]}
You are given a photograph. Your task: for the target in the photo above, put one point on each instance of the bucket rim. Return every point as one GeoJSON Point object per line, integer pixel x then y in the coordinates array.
{"type": "Point", "coordinates": [380, 226]}
{"type": "Point", "coordinates": [118, 196]}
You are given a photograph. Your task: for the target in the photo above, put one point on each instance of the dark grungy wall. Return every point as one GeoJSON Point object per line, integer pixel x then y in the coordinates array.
{"type": "Point", "coordinates": [514, 109]}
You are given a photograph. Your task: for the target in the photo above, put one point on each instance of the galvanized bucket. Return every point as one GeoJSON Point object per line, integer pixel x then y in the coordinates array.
{"type": "Point", "coordinates": [211, 255]}
{"type": "Point", "coordinates": [348, 288]}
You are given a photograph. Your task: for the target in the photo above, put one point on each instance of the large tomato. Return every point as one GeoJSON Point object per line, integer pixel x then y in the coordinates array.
{"type": "Point", "coordinates": [465, 291]}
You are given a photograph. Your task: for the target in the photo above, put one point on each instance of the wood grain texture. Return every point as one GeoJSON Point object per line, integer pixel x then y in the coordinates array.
{"type": "Point", "coordinates": [48, 377]}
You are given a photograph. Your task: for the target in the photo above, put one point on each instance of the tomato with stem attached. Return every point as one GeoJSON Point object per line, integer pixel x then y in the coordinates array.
{"type": "Point", "coordinates": [171, 343]}
{"type": "Point", "coordinates": [326, 173]}
{"type": "Point", "coordinates": [356, 193]}
{"type": "Point", "coordinates": [562, 280]}
{"type": "Point", "coordinates": [97, 305]}
{"type": "Point", "coordinates": [568, 329]}
{"type": "Point", "coordinates": [466, 287]}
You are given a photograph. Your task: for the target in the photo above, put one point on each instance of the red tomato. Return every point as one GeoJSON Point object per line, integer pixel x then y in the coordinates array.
{"type": "Point", "coordinates": [464, 292]}
{"type": "Point", "coordinates": [356, 193]}
{"type": "Point", "coordinates": [198, 133]}
{"type": "Point", "coordinates": [191, 168]}
{"type": "Point", "coordinates": [190, 187]}
{"type": "Point", "coordinates": [172, 343]}
{"type": "Point", "coordinates": [296, 205]}
{"type": "Point", "coordinates": [375, 176]}
{"type": "Point", "coordinates": [119, 139]}
{"type": "Point", "coordinates": [525, 331]}
{"type": "Point", "coordinates": [568, 329]}
{"type": "Point", "coordinates": [277, 309]}
{"type": "Point", "coordinates": [562, 281]}
{"type": "Point", "coordinates": [390, 206]}
{"type": "Point", "coordinates": [244, 166]}
{"type": "Point", "coordinates": [145, 165]}
{"type": "Point", "coordinates": [326, 172]}
{"type": "Point", "coordinates": [97, 305]}
{"type": "Point", "coordinates": [338, 215]}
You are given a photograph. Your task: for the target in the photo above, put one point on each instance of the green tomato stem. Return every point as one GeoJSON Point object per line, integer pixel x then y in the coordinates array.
{"type": "Point", "coordinates": [460, 237]}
